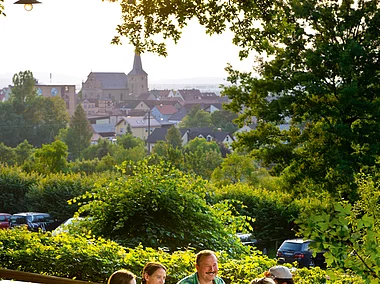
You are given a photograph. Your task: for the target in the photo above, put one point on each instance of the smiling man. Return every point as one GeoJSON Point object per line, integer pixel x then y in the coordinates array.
{"type": "Point", "coordinates": [206, 264]}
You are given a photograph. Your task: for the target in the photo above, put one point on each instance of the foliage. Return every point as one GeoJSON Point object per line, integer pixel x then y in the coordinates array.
{"type": "Point", "coordinates": [14, 185]}
{"type": "Point", "coordinates": [273, 212]}
{"type": "Point", "coordinates": [324, 76]}
{"type": "Point", "coordinates": [83, 166]}
{"type": "Point", "coordinates": [23, 151]}
{"type": "Point", "coordinates": [52, 193]}
{"type": "Point", "coordinates": [134, 154]}
{"type": "Point", "coordinates": [163, 151]}
{"type": "Point", "coordinates": [223, 120]}
{"type": "Point", "coordinates": [158, 206]}
{"type": "Point", "coordinates": [107, 163]}
{"type": "Point", "coordinates": [51, 158]}
{"type": "Point", "coordinates": [196, 118]}
{"type": "Point", "coordinates": [79, 133]}
{"type": "Point", "coordinates": [202, 157]}
{"type": "Point", "coordinates": [98, 150]}
{"type": "Point", "coordinates": [350, 234]}
{"type": "Point", "coordinates": [65, 256]}
{"type": "Point", "coordinates": [15, 156]}
{"type": "Point", "coordinates": [236, 168]}
{"type": "Point", "coordinates": [13, 125]}
{"type": "Point", "coordinates": [29, 117]}
{"type": "Point", "coordinates": [90, 259]}
{"type": "Point", "coordinates": [2, 8]}
{"type": "Point", "coordinates": [174, 137]}
{"type": "Point", "coordinates": [7, 155]}
{"type": "Point", "coordinates": [128, 141]}
{"type": "Point", "coordinates": [23, 91]}
{"type": "Point", "coordinates": [317, 64]}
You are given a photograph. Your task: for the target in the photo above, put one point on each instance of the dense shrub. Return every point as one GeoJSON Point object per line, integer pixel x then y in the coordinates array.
{"type": "Point", "coordinates": [158, 206]}
{"type": "Point", "coordinates": [95, 259]}
{"type": "Point", "coordinates": [14, 185]}
{"type": "Point", "coordinates": [274, 212]}
{"type": "Point", "coordinates": [51, 194]}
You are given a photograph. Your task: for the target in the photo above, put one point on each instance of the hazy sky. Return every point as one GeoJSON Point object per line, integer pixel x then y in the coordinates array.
{"type": "Point", "coordinates": [72, 38]}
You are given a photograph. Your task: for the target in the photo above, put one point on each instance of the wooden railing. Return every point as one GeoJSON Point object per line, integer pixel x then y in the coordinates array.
{"type": "Point", "coordinates": [37, 278]}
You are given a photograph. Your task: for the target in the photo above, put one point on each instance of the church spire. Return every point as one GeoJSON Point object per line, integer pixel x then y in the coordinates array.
{"type": "Point", "coordinates": [137, 66]}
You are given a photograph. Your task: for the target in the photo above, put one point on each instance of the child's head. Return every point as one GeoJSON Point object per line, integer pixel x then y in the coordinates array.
{"type": "Point", "coordinates": [122, 277]}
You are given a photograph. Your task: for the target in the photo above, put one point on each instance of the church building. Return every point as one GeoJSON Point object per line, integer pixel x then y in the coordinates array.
{"type": "Point", "coordinates": [117, 87]}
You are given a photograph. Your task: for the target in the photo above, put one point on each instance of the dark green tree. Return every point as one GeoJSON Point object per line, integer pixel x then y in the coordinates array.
{"type": "Point", "coordinates": [7, 155]}
{"type": "Point", "coordinates": [12, 125]}
{"type": "Point", "coordinates": [29, 117]}
{"type": "Point", "coordinates": [202, 157]}
{"type": "Point", "coordinates": [196, 117]}
{"type": "Point", "coordinates": [173, 137]}
{"type": "Point", "coordinates": [23, 151]}
{"type": "Point", "coordinates": [129, 141]}
{"type": "Point", "coordinates": [317, 64]}
{"type": "Point", "coordinates": [236, 168]}
{"type": "Point", "coordinates": [50, 158]}
{"type": "Point", "coordinates": [163, 151]}
{"type": "Point", "coordinates": [23, 91]}
{"type": "Point", "coordinates": [223, 120]}
{"type": "Point", "coordinates": [79, 133]}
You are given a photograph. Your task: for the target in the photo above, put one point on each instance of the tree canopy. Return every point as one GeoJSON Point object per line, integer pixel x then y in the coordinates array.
{"type": "Point", "coordinates": [317, 64]}
{"type": "Point", "coordinates": [27, 116]}
{"type": "Point", "coordinates": [78, 135]}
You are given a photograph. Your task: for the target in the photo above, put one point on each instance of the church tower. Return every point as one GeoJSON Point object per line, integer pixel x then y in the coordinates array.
{"type": "Point", "coordinates": [137, 78]}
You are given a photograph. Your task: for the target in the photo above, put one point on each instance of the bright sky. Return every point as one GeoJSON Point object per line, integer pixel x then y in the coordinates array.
{"type": "Point", "coordinates": [72, 38]}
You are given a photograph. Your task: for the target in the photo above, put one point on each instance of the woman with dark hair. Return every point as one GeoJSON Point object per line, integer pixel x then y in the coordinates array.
{"type": "Point", "coordinates": [122, 277]}
{"type": "Point", "coordinates": [153, 273]}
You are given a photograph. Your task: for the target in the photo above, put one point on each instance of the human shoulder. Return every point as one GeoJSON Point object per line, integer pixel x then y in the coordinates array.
{"type": "Point", "coordinates": [218, 280]}
{"type": "Point", "coordinates": [191, 279]}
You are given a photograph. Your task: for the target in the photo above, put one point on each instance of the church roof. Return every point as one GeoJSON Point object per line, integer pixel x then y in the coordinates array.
{"type": "Point", "coordinates": [137, 67]}
{"type": "Point", "coordinates": [111, 80]}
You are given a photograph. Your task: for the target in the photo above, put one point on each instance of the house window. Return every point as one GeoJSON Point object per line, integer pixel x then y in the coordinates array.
{"type": "Point", "coordinates": [209, 138]}
{"type": "Point", "coordinates": [227, 138]}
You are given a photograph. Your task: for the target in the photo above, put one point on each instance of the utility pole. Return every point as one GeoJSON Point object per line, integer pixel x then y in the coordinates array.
{"type": "Point", "coordinates": [148, 131]}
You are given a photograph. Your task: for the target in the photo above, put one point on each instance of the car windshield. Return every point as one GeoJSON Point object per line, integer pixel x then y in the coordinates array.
{"type": "Point", "coordinates": [16, 219]}
{"type": "Point", "coordinates": [287, 246]}
{"type": "Point", "coordinates": [42, 218]}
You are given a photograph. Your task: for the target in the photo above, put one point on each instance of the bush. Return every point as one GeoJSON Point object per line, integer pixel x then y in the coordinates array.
{"type": "Point", "coordinates": [274, 212]}
{"type": "Point", "coordinates": [14, 185]}
{"type": "Point", "coordinates": [158, 206]}
{"type": "Point", "coordinates": [91, 259]}
{"type": "Point", "coordinates": [51, 194]}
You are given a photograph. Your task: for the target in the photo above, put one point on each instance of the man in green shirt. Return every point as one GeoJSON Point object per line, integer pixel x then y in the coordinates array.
{"type": "Point", "coordinates": [206, 264]}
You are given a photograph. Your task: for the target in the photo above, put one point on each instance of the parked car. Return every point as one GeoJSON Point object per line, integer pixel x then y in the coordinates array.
{"type": "Point", "coordinates": [4, 220]}
{"type": "Point", "coordinates": [246, 239]}
{"type": "Point", "coordinates": [65, 226]}
{"type": "Point", "coordinates": [33, 220]}
{"type": "Point", "coordinates": [299, 250]}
